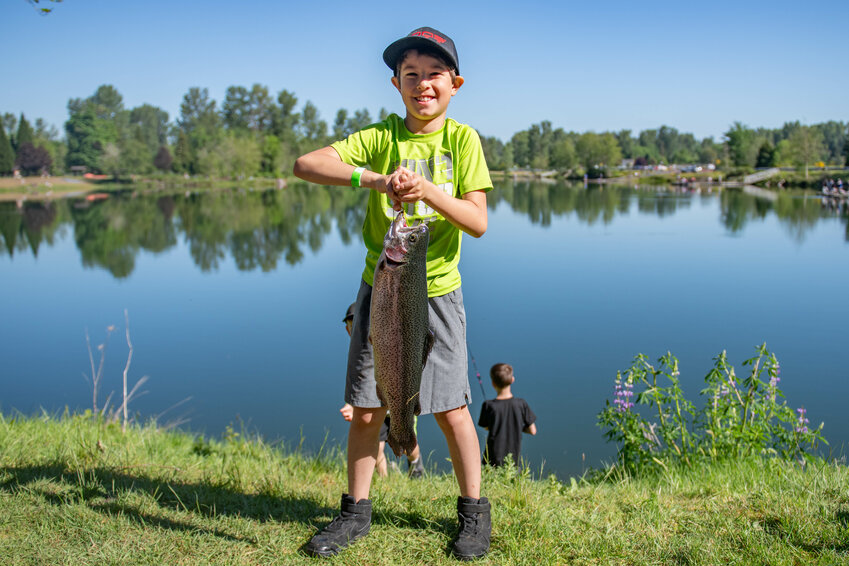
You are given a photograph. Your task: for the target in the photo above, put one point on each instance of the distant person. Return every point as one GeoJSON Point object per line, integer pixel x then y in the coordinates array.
{"type": "Point", "coordinates": [415, 467]}
{"type": "Point", "coordinates": [506, 418]}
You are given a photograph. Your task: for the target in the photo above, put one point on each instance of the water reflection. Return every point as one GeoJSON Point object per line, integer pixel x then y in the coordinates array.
{"type": "Point", "coordinates": [257, 229]}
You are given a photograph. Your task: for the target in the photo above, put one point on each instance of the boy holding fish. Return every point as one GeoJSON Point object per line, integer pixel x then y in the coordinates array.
{"type": "Point", "coordinates": [431, 169]}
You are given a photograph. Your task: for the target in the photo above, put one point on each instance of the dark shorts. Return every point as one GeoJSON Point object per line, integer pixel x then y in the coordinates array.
{"type": "Point", "coordinates": [384, 429]}
{"type": "Point", "coordinates": [445, 379]}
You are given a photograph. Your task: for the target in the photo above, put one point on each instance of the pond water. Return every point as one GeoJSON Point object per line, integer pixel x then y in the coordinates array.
{"type": "Point", "coordinates": [235, 300]}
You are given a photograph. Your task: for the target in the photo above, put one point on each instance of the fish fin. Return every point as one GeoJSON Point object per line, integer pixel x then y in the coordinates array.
{"type": "Point", "coordinates": [428, 346]}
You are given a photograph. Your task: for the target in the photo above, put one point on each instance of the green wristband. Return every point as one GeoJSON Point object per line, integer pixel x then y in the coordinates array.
{"type": "Point", "coordinates": [355, 177]}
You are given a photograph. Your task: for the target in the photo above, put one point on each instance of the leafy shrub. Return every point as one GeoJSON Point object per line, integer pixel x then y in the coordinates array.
{"type": "Point", "coordinates": [738, 419]}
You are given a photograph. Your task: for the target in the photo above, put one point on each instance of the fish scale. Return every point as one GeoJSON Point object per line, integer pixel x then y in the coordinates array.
{"type": "Point", "coordinates": [399, 332]}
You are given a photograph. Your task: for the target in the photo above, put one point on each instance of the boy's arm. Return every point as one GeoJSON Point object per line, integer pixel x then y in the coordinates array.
{"type": "Point", "coordinates": [530, 417]}
{"type": "Point", "coordinates": [325, 167]}
{"type": "Point", "coordinates": [467, 213]}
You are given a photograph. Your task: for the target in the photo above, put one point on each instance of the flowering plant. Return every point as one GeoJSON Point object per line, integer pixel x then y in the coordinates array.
{"type": "Point", "coordinates": [737, 418]}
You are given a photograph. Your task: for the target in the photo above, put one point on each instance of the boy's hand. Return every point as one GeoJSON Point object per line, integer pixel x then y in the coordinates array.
{"type": "Point", "coordinates": [409, 186]}
{"type": "Point", "coordinates": [347, 412]}
{"type": "Point", "coordinates": [390, 183]}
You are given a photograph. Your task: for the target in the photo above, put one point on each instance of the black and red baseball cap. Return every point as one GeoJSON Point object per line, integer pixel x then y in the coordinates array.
{"type": "Point", "coordinates": [423, 37]}
{"type": "Point", "coordinates": [349, 314]}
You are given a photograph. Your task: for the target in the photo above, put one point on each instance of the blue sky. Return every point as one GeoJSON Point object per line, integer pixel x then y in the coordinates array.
{"type": "Point", "coordinates": [604, 65]}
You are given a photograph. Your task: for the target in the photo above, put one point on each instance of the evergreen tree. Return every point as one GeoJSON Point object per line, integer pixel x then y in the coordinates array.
{"type": "Point", "coordinates": [24, 135]}
{"type": "Point", "coordinates": [7, 154]}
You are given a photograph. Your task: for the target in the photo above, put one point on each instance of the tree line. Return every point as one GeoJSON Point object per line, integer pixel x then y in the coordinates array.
{"type": "Point", "coordinates": [792, 145]}
{"type": "Point", "coordinates": [253, 133]}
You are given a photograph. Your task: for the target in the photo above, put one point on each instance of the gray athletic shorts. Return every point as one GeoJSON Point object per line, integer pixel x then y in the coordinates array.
{"type": "Point", "coordinates": [445, 379]}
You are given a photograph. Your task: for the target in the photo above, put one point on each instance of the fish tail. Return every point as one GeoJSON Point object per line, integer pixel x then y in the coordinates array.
{"type": "Point", "coordinates": [402, 445]}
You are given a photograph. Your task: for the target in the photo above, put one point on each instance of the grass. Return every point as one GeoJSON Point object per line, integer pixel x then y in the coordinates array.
{"type": "Point", "coordinates": [74, 490]}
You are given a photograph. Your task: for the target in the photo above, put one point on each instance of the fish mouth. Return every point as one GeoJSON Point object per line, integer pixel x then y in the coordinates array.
{"type": "Point", "coordinates": [396, 256]}
{"type": "Point", "coordinates": [397, 225]}
{"type": "Point", "coordinates": [395, 248]}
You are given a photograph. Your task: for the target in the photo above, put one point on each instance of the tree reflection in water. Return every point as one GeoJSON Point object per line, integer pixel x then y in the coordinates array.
{"type": "Point", "coordinates": [258, 228]}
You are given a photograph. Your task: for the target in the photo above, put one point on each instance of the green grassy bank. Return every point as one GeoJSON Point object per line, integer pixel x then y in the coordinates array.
{"type": "Point", "coordinates": [75, 491]}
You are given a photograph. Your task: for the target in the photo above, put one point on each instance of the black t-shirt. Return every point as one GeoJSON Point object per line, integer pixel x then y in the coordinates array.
{"type": "Point", "coordinates": [505, 419]}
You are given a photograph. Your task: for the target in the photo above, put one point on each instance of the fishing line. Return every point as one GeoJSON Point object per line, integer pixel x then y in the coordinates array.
{"type": "Point", "coordinates": [475, 365]}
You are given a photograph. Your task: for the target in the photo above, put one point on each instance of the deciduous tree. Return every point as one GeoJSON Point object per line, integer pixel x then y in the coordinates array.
{"type": "Point", "coordinates": [200, 121]}
{"type": "Point", "coordinates": [149, 124]}
{"type": "Point", "coordinates": [87, 136]}
{"type": "Point", "coordinates": [33, 160]}
{"type": "Point", "coordinates": [741, 145]}
{"type": "Point", "coordinates": [805, 147]}
{"type": "Point", "coordinates": [10, 124]}
{"type": "Point", "coordinates": [766, 155]}
{"type": "Point", "coordinates": [598, 150]}
{"type": "Point", "coordinates": [246, 110]}
{"type": "Point", "coordinates": [163, 159]}
{"type": "Point", "coordinates": [312, 129]}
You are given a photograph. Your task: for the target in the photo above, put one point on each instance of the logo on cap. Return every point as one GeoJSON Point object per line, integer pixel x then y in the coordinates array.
{"type": "Point", "coordinates": [428, 35]}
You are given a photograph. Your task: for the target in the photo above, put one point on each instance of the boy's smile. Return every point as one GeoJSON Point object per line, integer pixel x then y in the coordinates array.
{"type": "Point", "coordinates": [426, 88]}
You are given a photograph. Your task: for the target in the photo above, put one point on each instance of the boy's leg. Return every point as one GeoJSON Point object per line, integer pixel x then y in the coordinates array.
{"type": "Point", "coordinates": [473, 512]}
{"type": "Point", "coordinates": [459, 430]}
{"type": "Point", "coordinates": [382, 466]}
{"type": "Point", "coordinates": [354, 519]}
{"type": "Point", "coordinates": [415, 466]}
{"type": "Point", "coordinates": [362, 449]}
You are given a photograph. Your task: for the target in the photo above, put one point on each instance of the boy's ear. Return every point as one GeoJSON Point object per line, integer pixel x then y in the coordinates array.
{"type": "Point", "coordinates": [395, 83]}
{"type": "Point", "coordinates": [458, 82]}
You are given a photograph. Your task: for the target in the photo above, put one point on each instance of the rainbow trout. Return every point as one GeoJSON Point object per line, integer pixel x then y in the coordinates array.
{"type": "Point", "coordinates": [399, 331]}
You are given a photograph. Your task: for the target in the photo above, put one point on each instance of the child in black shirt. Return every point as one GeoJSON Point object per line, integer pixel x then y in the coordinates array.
{"type": "Point", "coordinates": [506, 418]}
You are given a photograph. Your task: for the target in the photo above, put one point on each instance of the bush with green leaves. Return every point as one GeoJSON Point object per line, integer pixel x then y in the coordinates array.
{"type": "Point", "coordinates": [737, 418]}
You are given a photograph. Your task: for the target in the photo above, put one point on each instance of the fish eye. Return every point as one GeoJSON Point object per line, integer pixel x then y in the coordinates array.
{"type": "Point", "coordinates": [413, 238]}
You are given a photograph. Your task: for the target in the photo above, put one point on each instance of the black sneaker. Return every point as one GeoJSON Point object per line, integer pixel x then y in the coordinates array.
{"type": "Point", "coordinates": [352, 523]}
{"type": "Point", "coordinates": [475, 527]}
{"type": "Point", "coordinates": [416, 468]}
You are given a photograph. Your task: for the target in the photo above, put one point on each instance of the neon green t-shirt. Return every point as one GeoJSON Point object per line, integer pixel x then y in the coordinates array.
{"type": "Point", "coordinates": [452, 158]}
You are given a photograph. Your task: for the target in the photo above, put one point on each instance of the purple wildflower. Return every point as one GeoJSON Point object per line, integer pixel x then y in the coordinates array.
{"type": "Point", "coordinates": [622, 394]}
{"type": "Point", "coordinates": [802, 423]}
{"type": "Point", "coordinates": [774, 372]}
